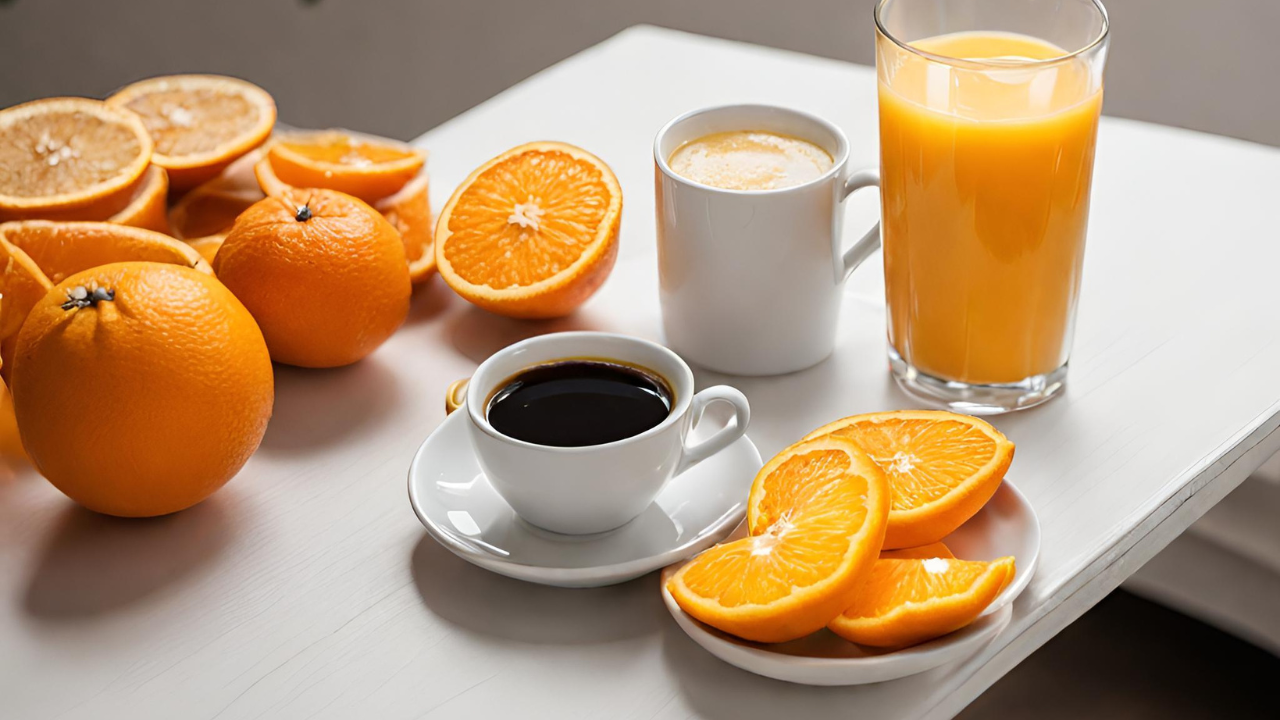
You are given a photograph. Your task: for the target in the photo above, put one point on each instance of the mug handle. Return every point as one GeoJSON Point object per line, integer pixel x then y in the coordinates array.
{"type": "Point", "coordinates": [847, 260]}
{"type": "Point", "coordinates": [694, 454]}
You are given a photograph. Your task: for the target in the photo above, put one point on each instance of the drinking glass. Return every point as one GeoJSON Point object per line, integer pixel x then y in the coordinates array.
{"type": "Point", "coordinates": [988, 118]}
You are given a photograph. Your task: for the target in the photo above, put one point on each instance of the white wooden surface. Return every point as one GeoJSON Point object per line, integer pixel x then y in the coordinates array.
{"type": "Point", "coordinates": [307, 589]}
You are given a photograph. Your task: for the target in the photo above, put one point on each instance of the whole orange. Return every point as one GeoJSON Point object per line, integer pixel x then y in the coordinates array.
{"type": "Point", "coordinates": [140, 388]}
{"type": "Point", "coordinates": [323, 273]}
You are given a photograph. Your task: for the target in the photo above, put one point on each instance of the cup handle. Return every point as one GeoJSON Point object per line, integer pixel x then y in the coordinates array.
{"type": "Point", "coordinates": [847, 260]}
{"type": "Point", "coordinates": [694, 454]}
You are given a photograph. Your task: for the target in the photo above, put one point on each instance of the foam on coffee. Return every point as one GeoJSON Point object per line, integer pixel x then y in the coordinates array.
{"type": "Point", "coordinates": [749, 160]}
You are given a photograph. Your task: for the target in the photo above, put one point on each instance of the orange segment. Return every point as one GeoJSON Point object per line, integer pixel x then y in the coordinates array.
{"type": "Point", "coordinates": [200, 123]}
{"type": "Point", "coordinates": [147, 208]}
{"type": "Point", "coordinates": [533, 232]}
{"type": "Point", "coordinates": [367, 167]}
{"type": "Point", "coordinates": [22, 285]}
{"type": "Point", "coordinates": [943, 467]}
{"type": "Point", "coordinates": [820, 510]}
{"type": "Point", "coordinates": [69, 157]}
{"type": "Point", "coordinates": [910, 601]}
{"type": "Point", "coordinates": [924, 552]}
{"type": "Point", "coordinates": [409, 211]}
{"type": "Point", "coordinates": [66, 248]}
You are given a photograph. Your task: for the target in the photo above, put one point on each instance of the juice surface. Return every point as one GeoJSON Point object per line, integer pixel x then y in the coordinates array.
{"type": "Point", "coordinates": [985, 191]}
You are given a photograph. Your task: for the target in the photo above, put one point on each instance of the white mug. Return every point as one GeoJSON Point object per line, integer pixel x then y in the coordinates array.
{"type": "Point", "coordinates": [580, 490]}
{"type": "Point", "coordinates": [750, 279]}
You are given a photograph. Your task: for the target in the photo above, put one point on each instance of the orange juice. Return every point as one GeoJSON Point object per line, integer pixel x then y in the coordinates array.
{"type": "Point", "coordinates": [986, 164]}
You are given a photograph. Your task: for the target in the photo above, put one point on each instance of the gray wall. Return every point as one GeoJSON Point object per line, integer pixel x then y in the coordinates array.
{"type": "Point", "coordinates": [399, 67]}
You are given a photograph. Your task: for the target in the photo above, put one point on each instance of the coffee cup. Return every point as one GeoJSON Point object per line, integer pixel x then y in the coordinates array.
{"type": "Point", "coordinates": [594, 488]}
{"type": "Point", "coordinates": [750, 279]}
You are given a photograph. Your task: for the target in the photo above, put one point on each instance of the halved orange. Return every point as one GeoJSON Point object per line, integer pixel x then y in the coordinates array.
{"type": "Point", "coordinates": [943, 467]}
{"type": "Point", "coordinates": [816, 519]}
{"type": "Point", "coordinates": [61, 249]}
{"type": "Point", "coordinates": [147, 209]}
{"type": "Point", "coordinates": [408, 210]}
{"type": "Point", "coordinates": [200, 123]}
{"type": "Point", "coordinates": [212, 208]}
{"type": "Point", "coordinates": [363, 166]}
{"type": "Point", "coordinates": [910, 601]}
{"type": "Point", "coordinates": [69, 158]}
{"type": "Point", "coordinates": [533, 232]}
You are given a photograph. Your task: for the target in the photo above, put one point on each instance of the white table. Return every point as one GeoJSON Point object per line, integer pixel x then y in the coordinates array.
{"type": "Point", "coordinates": [307, 589]}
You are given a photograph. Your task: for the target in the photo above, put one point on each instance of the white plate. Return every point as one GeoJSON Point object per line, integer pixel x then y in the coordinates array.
{"type": "Point", "coordinates": [1006, 526]}
{"type": "Point", "coordinates": [459, 508]}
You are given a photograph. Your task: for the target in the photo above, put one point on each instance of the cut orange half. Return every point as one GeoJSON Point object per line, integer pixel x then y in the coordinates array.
{"type": "Point", "coordinates": [533, 232]}
{"type": "Point", "coordinates": [147, 208]}
{"type": "Point", "coordinates": [69, 158]}
{"type": "Point", "coordinates": [200, 123]}
{"type": "Point", "coordinates": [910, 601]}
{"type": "Point", "coordinates": [212, 208]}
{"type": "Point", "coordinates": [817, 513]}
{"type": "Point", "coordinates": [408, 210]}
{"type": "Point", "coordinates": [61, 249]}
{"type": "Point", "coordinates": [359, 165]}
{"type": "Point", "coordinates": [943, 467]}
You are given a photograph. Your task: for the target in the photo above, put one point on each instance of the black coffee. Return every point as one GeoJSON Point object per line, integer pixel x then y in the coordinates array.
{"type": "Point", "coordinates": [574, 403]}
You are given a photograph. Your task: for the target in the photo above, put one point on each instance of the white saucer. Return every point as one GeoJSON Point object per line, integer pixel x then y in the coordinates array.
{"type": "Point", "coordinates": [455, 502]}
{"type": "Point", "coordinates": [1006, 526]}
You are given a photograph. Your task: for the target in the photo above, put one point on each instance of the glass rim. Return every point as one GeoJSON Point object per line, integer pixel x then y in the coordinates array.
{"type": "Point", "coordinates": [1092, 45]}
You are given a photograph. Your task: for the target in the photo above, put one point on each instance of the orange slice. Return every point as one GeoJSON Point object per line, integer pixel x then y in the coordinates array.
{"type": "Point", "coordinates": [910, 601]}
{"type": "Point", "coordinates": [408, 210]}
{"type": "Point", "coordinates": [69, 158]}
{"type": "Point", "coordinates": [148, 207]}
{"type": "Point", "coordinates": [200, 123]}
{"type": "Point", "coordinates": [22, 285]}
{"type": "Point", "coordinates": [924, 552]}
{"type": "Point", "coordinates": [61, 249]}
{"type": "Point", "coordinates": [943, 467]}
{"type": "Point", "coordinates": [533, 232]}
{"type": "Point", "coordinates": [817, 516]}
{"type": "Point", "coordinates": [363, 166]}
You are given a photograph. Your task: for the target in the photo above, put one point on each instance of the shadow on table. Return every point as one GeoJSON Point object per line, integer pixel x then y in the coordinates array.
{"type": "Point", "coordinates": [490, 604]}
{"type": "Point", "coordinates": [95, 564]}
{"type": "Point", "coordinates": [477, 333]}
{"type": "Point", "coordinates": [717, 690]}
{"type": "Point", "coordinates": [430, 299]}
{"type": "Point", "coordinates": [316, 408]}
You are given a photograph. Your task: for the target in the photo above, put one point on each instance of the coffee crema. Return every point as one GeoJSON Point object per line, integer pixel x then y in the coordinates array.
{"type": "Point", "coordinates": [749, 160]}
{"type": "Point", "coordinates": [577, 403]}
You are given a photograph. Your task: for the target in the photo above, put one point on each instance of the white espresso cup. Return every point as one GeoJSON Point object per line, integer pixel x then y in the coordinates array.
{"type": "Point", "coordinates": [579, 490]}
{"type": "Point", "coordinates": [750, 279]}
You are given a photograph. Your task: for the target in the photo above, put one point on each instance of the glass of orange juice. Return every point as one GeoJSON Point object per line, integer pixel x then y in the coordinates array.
{"type": "Point", "coordinates": [988, 117]}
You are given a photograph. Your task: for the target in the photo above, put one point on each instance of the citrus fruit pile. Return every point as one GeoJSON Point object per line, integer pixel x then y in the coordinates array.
{"type": "Point", "coordinates": [845, 532]}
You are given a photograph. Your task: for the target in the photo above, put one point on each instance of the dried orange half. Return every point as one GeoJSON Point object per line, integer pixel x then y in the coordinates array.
{"type": "Point", "coordinates": [910, 601]}
{"type": "Point", "coordinates": [61, 249]}
{"type": "Point", "coordinates": [943, 467]}
{"type": "Point", "coordinates": [200, 123]}
{"type": "Point", "coordinates": [816, 519]}
{"type": "Point", "coordinates": [360, 165]}
{"type": "Point", "coordinates": [69, 157]}
{"type": "Point", "coordinates": [533, 232]}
